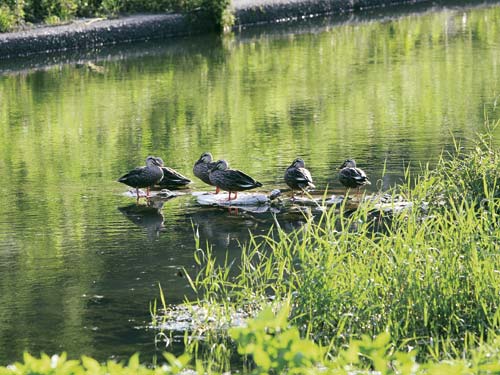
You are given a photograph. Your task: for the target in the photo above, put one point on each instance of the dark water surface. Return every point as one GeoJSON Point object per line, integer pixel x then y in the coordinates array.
{"type": "Point", "coordinates": [79, 263]}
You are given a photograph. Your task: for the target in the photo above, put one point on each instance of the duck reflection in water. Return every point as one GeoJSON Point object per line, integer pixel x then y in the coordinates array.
{"type": "Point", "coordinates": [222, 230]}
{"type": "Point", "coordinates": [147, 216]}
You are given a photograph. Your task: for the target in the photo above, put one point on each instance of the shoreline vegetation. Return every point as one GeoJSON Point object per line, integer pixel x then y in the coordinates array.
{"type": "Point", "coordinates": [412, 293]}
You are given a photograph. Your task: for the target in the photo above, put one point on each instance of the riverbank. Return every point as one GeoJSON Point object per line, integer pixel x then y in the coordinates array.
{"type": "Point", "coordinates": [89, 34]}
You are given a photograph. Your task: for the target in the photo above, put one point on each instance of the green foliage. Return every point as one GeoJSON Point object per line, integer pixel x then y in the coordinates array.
{"type": "Point", "coordinates": [11, 14]}
{"type": "Point", "coordinates": [60, 365]}
{"type": "Point", "coordinates": [50, 11]}
{"type": "Point", "coordinates": [7, 18]}
{"type": "Point", "coordinates": [274, 346]}
{"type": "Point", "coordinates": [114, 7]}
{"type": "Point", "coordinates": [428, 276]}
{"type": "Point", "coordinates": [214, 14]}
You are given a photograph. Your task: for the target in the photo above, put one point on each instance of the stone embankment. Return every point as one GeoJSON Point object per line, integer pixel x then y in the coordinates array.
{"type": "Point", "coordinates": [92, 33]}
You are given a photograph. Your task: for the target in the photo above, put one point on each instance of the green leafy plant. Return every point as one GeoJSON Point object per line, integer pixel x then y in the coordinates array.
{"type": "Point", "coordinates": [60, 365]}
{"type": "Point", "coordinates": [7, 18]}
{"type": "Point", "coordinates": [274, 345]}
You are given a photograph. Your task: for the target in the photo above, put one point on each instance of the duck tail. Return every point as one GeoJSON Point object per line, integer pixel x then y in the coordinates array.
{"type": "Point", "coordinates": [258, 184]}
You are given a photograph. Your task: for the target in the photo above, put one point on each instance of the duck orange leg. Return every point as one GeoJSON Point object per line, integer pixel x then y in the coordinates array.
{"type": "Point", "coordinates": [217, 190]}
{"type": "Point", "coordinates": [235, 195]}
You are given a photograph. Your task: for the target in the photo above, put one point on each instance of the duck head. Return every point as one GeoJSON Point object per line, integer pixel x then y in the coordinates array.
{"type": "Point", "coordinates": [349, 163]}
{"type": "Point", "coordinates": [221, 165]}
{"type": "Point", "coordinates": [298, 163]}
{"type": "Point", "coordinates": [154, 161]}
{"type": "Point", "coordinates": [159, 161]}
{"type": "Point", "coordinates": [206, 157]}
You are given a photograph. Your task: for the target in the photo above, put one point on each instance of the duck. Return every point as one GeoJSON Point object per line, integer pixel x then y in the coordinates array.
{"type": "Point", "coordinates": [231, 180]}
{"type": "Point", "coordinates": [143, 177]}
{"type": "Point", "coordinates": [297, 177]}
{"type": "Point", "coordinates": [171, 178]}
{"type": "Point", "coordinates": [202, 167]}
{"type": "Point", "coordinates": [352, 177]}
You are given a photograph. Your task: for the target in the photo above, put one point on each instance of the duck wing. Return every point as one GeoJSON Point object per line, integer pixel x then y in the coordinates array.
{"type": "Point", "coordinates": [141, 177]}
{"type": "Point", "coordinates": [353, 175]}
{"type": "Point", "coordinates": [133, 177]}
{"type": "Point", "coordinates": [172, 178]}
{"type": "Point", "coordinates": [360, 172]}
{"type": "Point", "coordinates": [305, 176]}
{"type": "Point", "coordinates": [243, 180]}
{"type": "Point", "coordinates": [298, 178]}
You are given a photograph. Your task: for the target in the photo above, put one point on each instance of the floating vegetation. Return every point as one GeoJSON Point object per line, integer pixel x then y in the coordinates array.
{"type": "Point", "coordinates": [193, 318]}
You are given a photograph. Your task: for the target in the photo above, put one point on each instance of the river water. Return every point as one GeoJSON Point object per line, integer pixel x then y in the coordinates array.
{"type": "Point", "coordinates": [79, 262]}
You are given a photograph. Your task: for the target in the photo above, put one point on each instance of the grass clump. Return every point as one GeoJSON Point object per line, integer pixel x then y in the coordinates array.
{"type": "Point", "coordinates": [430, 278]}
{"type": "Point", "coordinates": [470, 176]}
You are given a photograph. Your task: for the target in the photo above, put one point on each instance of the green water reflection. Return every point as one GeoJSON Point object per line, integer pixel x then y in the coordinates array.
{"type": "Point", "coordinates": [78, 270]}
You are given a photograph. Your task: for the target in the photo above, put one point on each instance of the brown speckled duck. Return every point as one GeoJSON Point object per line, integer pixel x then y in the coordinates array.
{"type": "Point", "coordinates": [201, 169]}
{"type": "Point", "coordinates": [143, 177]}
{"type": "Point", "coordinates": [297, 177]}
{"type": "Point", "coordinates": [352, 177]}
{"type": "Point", "coordinates": [231, 180]}
{"type": "Point", "coordinates": [171, 178]}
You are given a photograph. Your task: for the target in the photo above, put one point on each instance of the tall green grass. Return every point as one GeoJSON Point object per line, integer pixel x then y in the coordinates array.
{"type": "Point", "coordinates": [430, 276]}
